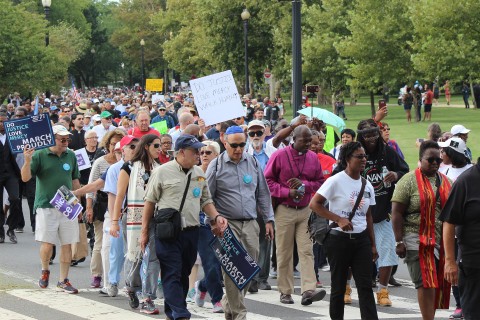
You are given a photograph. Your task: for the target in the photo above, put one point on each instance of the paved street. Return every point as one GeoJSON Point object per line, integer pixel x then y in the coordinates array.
{"type": "Point", "coordinates": [21, 298]}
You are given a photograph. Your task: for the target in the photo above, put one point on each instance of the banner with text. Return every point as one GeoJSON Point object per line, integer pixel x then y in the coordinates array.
{"type": "Point", "coordinates": [66, 202]}
{"type": "Point", "coordinates": [216, 98]}
{"type": "Point", "coordinates": [34, 131]}
{"type": "Point", "coordinates": [235, 261]}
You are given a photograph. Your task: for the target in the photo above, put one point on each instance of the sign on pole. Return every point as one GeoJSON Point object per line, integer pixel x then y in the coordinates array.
{"type": "Point", "coordinates": [34, 131]}
{"type": "Point", "coordinates": [154, 85]}
{"type": "Point", "coordinates": [216, 98]}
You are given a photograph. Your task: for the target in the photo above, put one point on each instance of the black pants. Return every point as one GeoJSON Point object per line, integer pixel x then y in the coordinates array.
{"type": "Point", "coordinates": [28, 189]}
{"type": "Point", "coordinates": [10, 183]}
{"type": "Point", "coordinates": [468, 284]}
{"type": "Point", "coordinates": [343, 253]}
{"type": "Point", "coordinates": [265, 247]}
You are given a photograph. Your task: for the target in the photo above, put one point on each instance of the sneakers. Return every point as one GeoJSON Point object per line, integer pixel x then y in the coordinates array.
{"type": "Point", "coordinates": [19, 230]}
{"type": "Point", "coordinates": [273, 273]}
{"type": "Point", "coordinates": [148, 307]}
{"type": "Point", "coordinates": [326, 268]}
{"type": "Point", "coordinates": [96, 282]}
{"type": "Point", "coordinates": [11, 235]}
{"type": "Point", "coordinates": [200, 296]}
{"type": "Point", "coordinates": [347, 298]}
{"type": "Point", "coordinates": [43, 282]}
{"type": "Point", "coordinates": [133, 303]}
{"type": "Point", "coordinates": [191, 296]}
{"type": "Point", "coordinates": [103, 290]}
{"type": "Point", "coordinates": [382, 298]}
{"type": "Point", "coordinates": [264, 285]}
{"type": "Point", "coordinates": [66, 286]}
{"type": "Point", "coordinates": [286, 298]}
{"type": "Point", "coordinates": [319, 284]}
{"type": "Point", "coordinates": [458, 314]}
{"type": "Point", "coordinates": [112, 290]}
{"type": "Point", "coordinates": [217, 307]}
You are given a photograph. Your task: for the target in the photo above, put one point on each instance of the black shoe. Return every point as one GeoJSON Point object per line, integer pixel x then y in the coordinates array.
{"type": "Point", "coordinates": [394, 282]}
{"type": "Point", "coordinates": [286, 298]}
{"type": "Point", "coordinates": [253, 288]}
{"type": "Point", "coordinates": [310, 296]}
{"type": "Point", "coordinates": [134, 303]}
{"type": "Point", "coordinates": [73, 263]}
{"type": "Point", "coordinates": [51, 261]}
{"type": "Point", "coordinates": [12, 236]}
{"type": "Point", "coordinates": [2, 239]}
{"type": "Point", "coordinates": [264, 285]}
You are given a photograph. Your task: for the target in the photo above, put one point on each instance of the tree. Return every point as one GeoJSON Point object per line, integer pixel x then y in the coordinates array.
{"type": "Point", "coordinates": [379, 44]}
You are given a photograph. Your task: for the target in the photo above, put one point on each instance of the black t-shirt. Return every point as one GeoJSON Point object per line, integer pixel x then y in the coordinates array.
{"type": "Point", "coordinates": [463, 210]}
{"type": "Point", "coordinates": [85, 173]}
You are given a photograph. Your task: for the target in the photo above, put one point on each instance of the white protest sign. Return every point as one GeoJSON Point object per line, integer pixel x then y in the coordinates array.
{"type": "Point", "coordinates": [216, 98]}
{"type": "Point", "coordinates": [157, 98]}
{"type": "Point", "coordinates": [82, 159]}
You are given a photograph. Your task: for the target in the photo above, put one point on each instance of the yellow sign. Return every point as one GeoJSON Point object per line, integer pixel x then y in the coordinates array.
{"type": "Point", "coordinates": [154, 85]}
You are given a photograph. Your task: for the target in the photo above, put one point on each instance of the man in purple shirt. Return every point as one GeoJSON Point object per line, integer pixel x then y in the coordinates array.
{"type": "Point", "coordinates": [288, 171]}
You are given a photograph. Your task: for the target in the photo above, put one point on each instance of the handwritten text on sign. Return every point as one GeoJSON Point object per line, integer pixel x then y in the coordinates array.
{"type": "Point", "coordinates": [235, 261]}
{"type": "Point", "coordinates": [34, 131]}
{"type": "Point", "coordinates": [216, 97]}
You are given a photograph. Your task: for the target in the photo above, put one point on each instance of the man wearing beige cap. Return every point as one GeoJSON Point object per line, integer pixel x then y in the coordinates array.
{"type": "Point", "coordinates": [54, 167]}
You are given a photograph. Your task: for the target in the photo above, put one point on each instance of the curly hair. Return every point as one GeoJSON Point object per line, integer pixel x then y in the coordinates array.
{"type": "Point", "coordinates": [109, 136]}
{"type": "Point", "coordinates": [427, 144]}
{"type": "Point", "coordinates": [347, 150]}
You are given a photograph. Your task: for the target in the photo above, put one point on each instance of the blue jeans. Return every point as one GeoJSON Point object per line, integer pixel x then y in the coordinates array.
{"type": "Point", "coordinates": [212, 282]}
{"type": "Point", "coordinates": [116, 255]}
{"type": "Point", "coordinates": [177, 258]}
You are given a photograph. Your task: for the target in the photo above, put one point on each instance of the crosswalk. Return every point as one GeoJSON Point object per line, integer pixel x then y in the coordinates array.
{"type": "Point", "coordinates": [265, 305]}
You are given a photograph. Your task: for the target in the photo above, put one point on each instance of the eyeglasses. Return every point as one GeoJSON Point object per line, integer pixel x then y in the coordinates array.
{"type": "Point", "coordinates": [206, 152]}
{"type": "Point", "coordinates": [92, 138]}
{"type": "Point", "coordinates": [65, 140]}
{"type": "Point", "coordinates": [162, 110]}
{"type": "Point", "coordinates": [167, 143]}
{"type": "Point", "coordinates": [155, 145]}
{"type": "Point", "coordinates": [386, 129]}
{"type": "Point", "coordinates": [431, 160]}
{"type": "Point", "coordinates": [360, 156]}
{"type": "Point", "coordinates": [258, 133]}
{"type": "Point", "coordinates": [236, 145]}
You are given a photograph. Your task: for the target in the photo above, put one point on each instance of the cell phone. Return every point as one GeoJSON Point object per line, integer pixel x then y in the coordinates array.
{"type": "Point", "coordinates": [381, 104]}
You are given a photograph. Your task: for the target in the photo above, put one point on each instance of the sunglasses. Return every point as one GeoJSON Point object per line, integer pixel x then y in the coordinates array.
{"type": "Point", "coordinates": [108, 118]}
{"type": "Point", "coordinates": [65, 140]}
{"type": "Point", "coordinates": [206, 152]}
{"type": "Point", "coordinates": [386, 129]}
{"type": "Point", "coordinates": [156, 145]}
{"type": "Point", "coordinates": [431, 160]}
{"type": "Point", "coordinates": [236, 145]}
{"type": "Point", "coordinates": [360, 156]}
{"type": "Point", "coordinates": [258, 133]}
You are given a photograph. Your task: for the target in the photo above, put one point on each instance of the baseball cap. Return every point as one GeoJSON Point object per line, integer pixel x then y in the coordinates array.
{"type": "Point", "coordinates": [96, 101]}
{"type": "Point", "coordinates": [256, 123]}
{"type": "Point", "coordinates": [187, 141]}
{"type": "Point", "coordinates": [456, 144]}
{"type": "Point", "coordinates": [117, 146]}
{"type": "Point", "coordinates": [127, 140]}
{"type": "Point", "coordinates": [123, 114]}
{"type": "Point", "coordinates": [88, 115]}
{"type": "Point", "coordinates": [459, 129]}
{"type": "Point", "coordinates": [60, 130]}
{"type": "Point", "coordinates": [52, 108]}
{"type": "Point", "coordinates": [96, 118]}
{"type": "Point", "coordinates": [105, 114]}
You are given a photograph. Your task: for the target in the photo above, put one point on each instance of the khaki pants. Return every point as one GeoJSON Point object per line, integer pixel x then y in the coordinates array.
{"type": "Point", "coordinates": [292, 225]}
{"type": "Point", "coordinates": [96, 264]}
{"type": "Point", "coordinates": [233, 300]}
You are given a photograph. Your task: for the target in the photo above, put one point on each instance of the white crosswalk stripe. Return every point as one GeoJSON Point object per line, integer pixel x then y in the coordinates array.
{"type": "Point", "coordinates": [85, 308]}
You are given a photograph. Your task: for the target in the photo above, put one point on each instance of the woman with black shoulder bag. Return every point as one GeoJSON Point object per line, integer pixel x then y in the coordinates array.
{"type": "Point", "coordinates": [350, 242]}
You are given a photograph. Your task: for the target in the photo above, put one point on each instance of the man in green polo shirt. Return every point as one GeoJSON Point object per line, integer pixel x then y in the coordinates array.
{"type": "Point", "coordinates": [53, 167]}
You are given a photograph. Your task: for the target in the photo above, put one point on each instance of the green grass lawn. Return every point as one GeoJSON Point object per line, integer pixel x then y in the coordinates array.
{"type": "Point", "coordinates": [406, 133]}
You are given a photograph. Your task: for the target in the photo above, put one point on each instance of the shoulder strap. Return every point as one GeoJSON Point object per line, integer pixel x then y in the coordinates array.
{"type": "Point", "coordinates": [359, 198]}
{"type": "Point", "coordinates": [185, 192]}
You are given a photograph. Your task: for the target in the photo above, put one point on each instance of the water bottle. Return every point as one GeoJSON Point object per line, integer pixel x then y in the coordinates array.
{"type": "Point", "coordinates": [384, 174]}
{"type": "Point", "coordinates": [301, 192]}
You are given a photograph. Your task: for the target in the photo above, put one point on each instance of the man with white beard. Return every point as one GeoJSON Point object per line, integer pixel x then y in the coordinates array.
{"type": "Point", "coordinates": [256, 147]}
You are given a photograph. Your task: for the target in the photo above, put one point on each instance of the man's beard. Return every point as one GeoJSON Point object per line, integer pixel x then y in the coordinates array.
{"type": "Point", "coordinates": [257, 143]}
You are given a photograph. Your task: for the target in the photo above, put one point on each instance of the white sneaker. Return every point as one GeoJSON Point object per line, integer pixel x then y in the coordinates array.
{"type": "Point", "coordinates": [326, 268]}
{"type": "Point", "coordinates": [217, 307]}
{"type": "Point", "coordinates": [200, 296]}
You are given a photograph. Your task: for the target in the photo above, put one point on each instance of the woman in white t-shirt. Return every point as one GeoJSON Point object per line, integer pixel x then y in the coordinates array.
{"type": "Point", "coordinates": [351, 243]}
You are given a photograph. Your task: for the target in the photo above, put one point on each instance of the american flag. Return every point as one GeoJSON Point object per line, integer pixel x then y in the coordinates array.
{"type": "Point", "coordinates": [75, 95]}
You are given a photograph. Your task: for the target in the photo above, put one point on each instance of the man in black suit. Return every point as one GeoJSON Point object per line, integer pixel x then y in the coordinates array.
{"type": "Point", "coordinates": [9, 178]}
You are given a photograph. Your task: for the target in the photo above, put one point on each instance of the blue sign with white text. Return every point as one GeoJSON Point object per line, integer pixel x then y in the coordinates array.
{"type": "Point", "coordinates": [34, 131]}
{"type": "Point", "coordinates": [235, 261]}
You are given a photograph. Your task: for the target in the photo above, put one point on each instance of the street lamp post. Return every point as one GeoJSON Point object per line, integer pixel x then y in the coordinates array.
{"type": "Point", "coordinates": [46, 7]}
{"type": "Point", "coordinates": [93, 67]}
{"type": "Point", "coordinates": [245, 16]}
{"type": "Point", "coordinates": [297, 56]}
{"type": "Point", "coordinates": [142, 44]}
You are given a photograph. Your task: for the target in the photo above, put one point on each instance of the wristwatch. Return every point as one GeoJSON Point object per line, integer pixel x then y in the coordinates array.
{"type": "Point", "coordinates": [398, 242]}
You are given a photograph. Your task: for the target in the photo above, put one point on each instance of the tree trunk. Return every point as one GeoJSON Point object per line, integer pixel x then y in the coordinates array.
{"type": "Point", "coordinates": [471, 90]}
{"type": "Point", "coordinates": [372, 103]}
